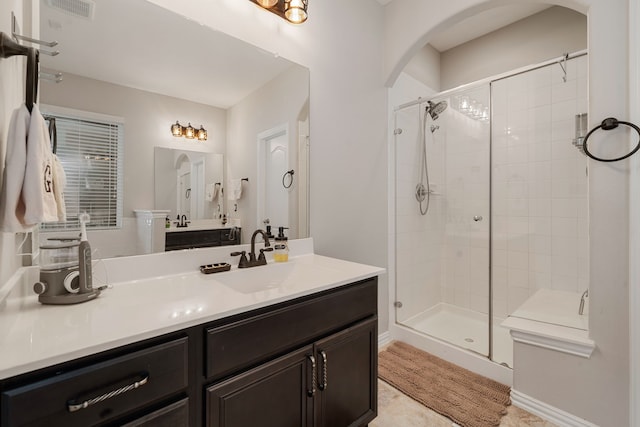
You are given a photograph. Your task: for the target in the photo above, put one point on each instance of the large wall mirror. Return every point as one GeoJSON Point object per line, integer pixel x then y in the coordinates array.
{"type": "Point", "coordinates": [150, 67]}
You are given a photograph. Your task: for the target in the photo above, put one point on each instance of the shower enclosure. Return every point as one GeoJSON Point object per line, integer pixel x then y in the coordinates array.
{"type": "Point", "coordinates": [490, 204]}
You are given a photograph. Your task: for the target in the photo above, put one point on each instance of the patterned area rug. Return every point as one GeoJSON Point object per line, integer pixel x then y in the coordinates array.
{"type": "Point", "coordinates": [465, 397]}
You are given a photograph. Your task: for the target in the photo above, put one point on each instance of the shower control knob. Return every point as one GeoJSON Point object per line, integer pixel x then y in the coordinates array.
{"type": "Point", "coordinates": [477, 218]}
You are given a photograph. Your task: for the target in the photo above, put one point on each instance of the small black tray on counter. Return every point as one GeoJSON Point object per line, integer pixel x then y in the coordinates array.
{"type": "Point", "coordinates": [215, 268]}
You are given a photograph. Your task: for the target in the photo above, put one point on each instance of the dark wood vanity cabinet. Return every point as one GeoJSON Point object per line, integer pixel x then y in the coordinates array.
{"type": "Point", "coordinates": [190, 239]}
{"type": "Point", "coordinates": [330, 383]}
{"type": "Point", "coordinates": [311, 361]}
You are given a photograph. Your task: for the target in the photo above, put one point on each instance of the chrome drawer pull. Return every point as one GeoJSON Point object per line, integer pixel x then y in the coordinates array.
{"type": "Point", "coordinates": [73, 407]}
{"type": "Point", "coordinates": [323, 384]}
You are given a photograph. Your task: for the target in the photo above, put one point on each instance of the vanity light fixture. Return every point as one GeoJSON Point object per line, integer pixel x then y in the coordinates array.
{"type": "Point", "coordinates": [202, 134]}
{"type": "Point", "coordinates": [294, 11]}
{"type": "Point", "coordinates": [267, 3]}
{"type": "Point", "coordinates": [176, 129]}
{"type": "Point", "coordinates": [189, 131]}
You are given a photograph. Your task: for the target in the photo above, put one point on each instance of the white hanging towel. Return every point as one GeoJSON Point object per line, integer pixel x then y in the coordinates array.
{"type": "Point", "coordinates": [211, 192]}
{"type": "Point", "coordinates": [11, 204]}
{"type": "Point", "coordinates": [59, 183]}
{"type": "Point", "coordinates": [235, 189]}
{"type": "Point", "coordinates": [37, 191]}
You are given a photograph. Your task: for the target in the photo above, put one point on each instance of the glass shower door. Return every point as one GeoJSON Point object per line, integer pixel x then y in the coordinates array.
{"type": "Point", "coordinates": [442, 152]}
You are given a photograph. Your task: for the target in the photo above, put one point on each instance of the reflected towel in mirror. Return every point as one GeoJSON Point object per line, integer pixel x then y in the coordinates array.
{"type": "Point", "coordinates": [211, 192]}
{"type": "Point", "coordinates": [235, 189]}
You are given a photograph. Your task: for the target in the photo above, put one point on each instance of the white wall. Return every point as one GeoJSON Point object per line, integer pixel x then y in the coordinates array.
{"type": "Point", "coordinates": [425, 66]}
{"type": "Point", "coordinates": [545, 35]}
{"type": "Point", "coordinates": [596, 389]}
{"type": "Point", "coordinates": [343, 51]}
{"type": "Point", "coordinates": [634, 253]}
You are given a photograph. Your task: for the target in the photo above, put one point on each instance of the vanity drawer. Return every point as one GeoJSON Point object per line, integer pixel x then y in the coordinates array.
{"type": "Point", "coordinates": [255, 339]}
{"type": "Point", "coordinates": [108, 388]}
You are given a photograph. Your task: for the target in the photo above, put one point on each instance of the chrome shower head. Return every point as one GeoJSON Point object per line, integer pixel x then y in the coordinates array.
{"type": "Point", "coordinates": [435, 110]}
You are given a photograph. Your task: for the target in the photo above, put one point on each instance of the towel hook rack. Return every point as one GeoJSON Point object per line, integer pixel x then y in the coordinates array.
{"type": "Point", "coordinates": [9, 48]}
{"type": "Point", "coordinates": [52, 77]}
{"type": "Point", "coordinates": [289, 174]}
{"type": "Point", "coordinates": [16, 36]}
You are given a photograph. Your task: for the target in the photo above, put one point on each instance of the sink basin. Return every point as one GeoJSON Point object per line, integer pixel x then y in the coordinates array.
{"type": "Point", "coordinates": [275, 276]}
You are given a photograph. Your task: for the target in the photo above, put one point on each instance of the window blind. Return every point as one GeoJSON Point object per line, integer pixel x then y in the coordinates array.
{"type": "Point", "coordinates": [91, 154]}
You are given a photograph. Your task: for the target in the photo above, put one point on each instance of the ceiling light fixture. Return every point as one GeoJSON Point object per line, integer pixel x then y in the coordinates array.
{"type": "Point", "coordinates": [294, 11]}
{"type": "Point", "coordinates": [188, 132]}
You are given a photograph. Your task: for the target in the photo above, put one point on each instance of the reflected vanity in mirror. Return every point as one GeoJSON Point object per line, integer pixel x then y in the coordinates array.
{"type": "Point", "coordinates": [123, 65]}
{"type": "Point", "coordinates": [188, 183]}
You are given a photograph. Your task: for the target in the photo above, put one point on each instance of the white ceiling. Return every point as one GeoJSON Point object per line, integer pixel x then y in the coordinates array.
{"type": "Point", "coordinates": [480, 24]}
{"type": "Point", "coordinates": [137, 44]}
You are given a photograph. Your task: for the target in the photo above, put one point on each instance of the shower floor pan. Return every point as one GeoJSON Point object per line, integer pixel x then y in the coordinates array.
{"type": "Point", "coordinates": [464, 328]}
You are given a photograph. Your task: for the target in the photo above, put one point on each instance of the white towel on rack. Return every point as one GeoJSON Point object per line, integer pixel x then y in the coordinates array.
{"type": "Point", "coordinates": [11, 204]}
{"type": "Point", "coordinates": [37, 191]}
{"type": "Point", "coordinates": [211, 192]}
{"type": "Point", "coordinates": [235, 189]}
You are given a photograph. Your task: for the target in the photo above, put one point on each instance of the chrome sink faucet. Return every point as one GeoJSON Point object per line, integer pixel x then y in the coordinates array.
{"type": "Point", "coordinates": [252, 261]}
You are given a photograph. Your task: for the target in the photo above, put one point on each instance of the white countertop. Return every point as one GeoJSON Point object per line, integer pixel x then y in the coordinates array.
{"type": "Point", "coordinates": [34, 336]}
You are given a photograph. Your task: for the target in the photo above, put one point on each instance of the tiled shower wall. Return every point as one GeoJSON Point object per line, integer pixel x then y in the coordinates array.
{"type": "Point", "coordinates": [538, 201]}
{"type": "Point", "coordinates": [539, 185]}
{"type": "Point", "coordinates": [465, 136]}
{"type": "Point", "coordinates": [419, 239]}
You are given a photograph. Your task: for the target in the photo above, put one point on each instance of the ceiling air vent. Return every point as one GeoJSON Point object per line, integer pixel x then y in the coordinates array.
{"type": "Point", "coordinates": [80, 8]}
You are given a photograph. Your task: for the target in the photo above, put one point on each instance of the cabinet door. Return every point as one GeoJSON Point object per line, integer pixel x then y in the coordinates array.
{"type": "Point", "coordinates": [275, 394]}
{"type": "Point", "coordinates": [347, 370]}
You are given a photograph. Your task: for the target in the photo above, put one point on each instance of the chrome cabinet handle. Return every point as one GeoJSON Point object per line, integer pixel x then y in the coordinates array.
{"type": "Point", "coordinates": [312, 392]}
{"type": "Point", "coordinates": [73, 406]}
{"type": "Point", "coordinates": [477, 218]}
{"type": "Point", "coordinates": [323, 384]}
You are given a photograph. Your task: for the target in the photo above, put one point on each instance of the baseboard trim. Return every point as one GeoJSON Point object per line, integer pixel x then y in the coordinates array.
{"type": "Point", "coordinates": [384, 339]}
{"type": "Point", "coordinates": [547, 412]}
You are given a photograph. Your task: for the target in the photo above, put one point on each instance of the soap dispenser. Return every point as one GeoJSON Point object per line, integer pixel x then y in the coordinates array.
{"type": "Point", "coordinates": [281, 246]}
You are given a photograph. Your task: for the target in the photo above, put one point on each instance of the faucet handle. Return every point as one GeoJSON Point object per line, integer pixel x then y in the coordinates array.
{"type": "Point", "coordinates": [262, 251]}
{"type": "Point", "coordinates": [243, 258]}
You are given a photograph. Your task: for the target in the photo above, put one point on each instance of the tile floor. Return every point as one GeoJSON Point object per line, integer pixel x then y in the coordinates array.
{"type": "Point", "coordinates": [395, 409]}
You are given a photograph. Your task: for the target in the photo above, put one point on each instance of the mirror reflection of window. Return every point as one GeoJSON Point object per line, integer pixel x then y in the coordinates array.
{"type": "Point", "coordinates": [90, 148]}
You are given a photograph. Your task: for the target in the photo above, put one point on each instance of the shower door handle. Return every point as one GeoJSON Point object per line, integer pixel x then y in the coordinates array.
{"type": "Point", "coordinates": [477, 218]}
